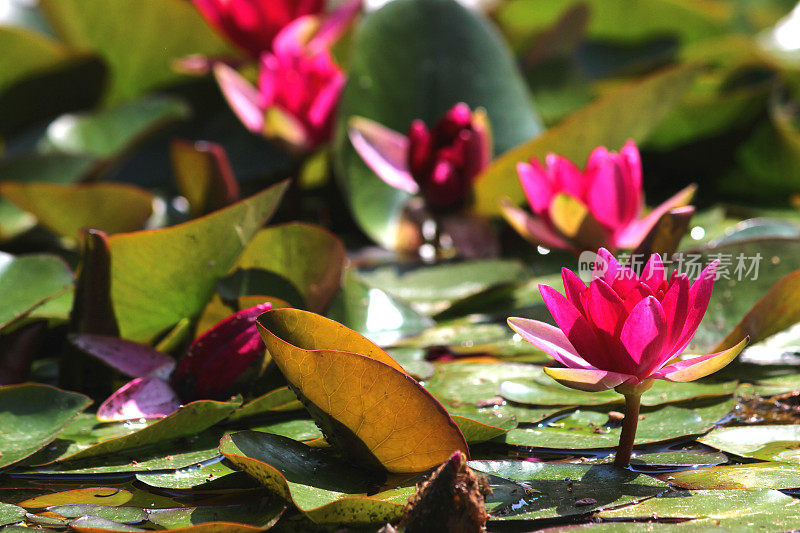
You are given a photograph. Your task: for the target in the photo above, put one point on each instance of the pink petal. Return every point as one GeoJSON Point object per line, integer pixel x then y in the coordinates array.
{"type": "Point", "coordinates": [698, 367]}
{"type": "Point", "coordinates": [635, 232]}
{"type": "Point", "coordinates": [385, 151]}
{"type": "Point", "coordinates": [531, 228]}
{"type": "Point", "coordinates": [590, 380]}
{"type": "Point", "coordinates": [334, 25]}
{"type": "Point", "coordinates": [294, 37]}
{"type": "Point", "coordinates": [574, 325]}
{"type": "Point", "coordinates": [130, 358]}
{"type": "Point", "coordinates": [699, 296]}
{"type": "Point", "coordinates": [676, 307]}
{"type": "Point", "coordinates": [636, 294]}
{"type": "Point", "coordinates": [608, 193]}
{"type": "Point", "coordinates": [643, 334]}
{"type": "Point", "coordinates": [549, 339]}
{"type": "Point", "coordinates": [630, 155]}
{"type": "Point", "coordinates": [606, 266]}
{"type": "Point", "coordinates": [604, 308]}
{"type": "Point", "coordinates": [536, 186]}
{"type": "Point", "coordinates": [140, 398]}
{"type": "Point", "coordinates": [241, 96]}
{"type": "Point", "coordinates": [565, 176]}
{"type": "Point", "coordinates": [320, 114]}
{"type": "Point", "coordinates": [653, 273]}
{"type": "Point", "coordinates": [573, 287]}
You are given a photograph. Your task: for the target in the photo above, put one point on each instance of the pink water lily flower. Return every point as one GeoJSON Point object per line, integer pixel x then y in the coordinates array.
{"type": "Point", "coordinates": [577, 209]}
{"type": "Point", "coordinates": [253, 24]}
{"type": "Point", "coordinates": [440, 164]}
{"type": "Point", "coordinates": [623, 331]}
{"type": "Point", "coordinates": [209, 368]}
{"type": "Point", "coordinates": [299, 83]}
{"type": "Point", "coordinates": [623, 328]}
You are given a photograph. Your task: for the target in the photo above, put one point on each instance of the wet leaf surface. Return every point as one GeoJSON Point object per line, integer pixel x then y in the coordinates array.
{"type": "Point", "coordinates": [770, 475]}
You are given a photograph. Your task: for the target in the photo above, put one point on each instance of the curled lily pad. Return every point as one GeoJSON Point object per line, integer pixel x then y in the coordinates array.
{"type": "Point", "coordinates": [365, 403]}
{"type": "Point", "coordinates": [324, 488]}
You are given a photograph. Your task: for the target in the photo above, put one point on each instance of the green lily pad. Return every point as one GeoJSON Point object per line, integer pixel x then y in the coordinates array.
{"type": "Point", "coordinates": [431, 288]}
{"type": "Point", "coordinates": [209, 477]}
{"type": "Point", "coordinates": [28, 281]}
{"type": "Point", "coordinates": [374, 313]}
{"type": "Point", "coordinates": [262, 514]}
{"type": "Point", "coordinates": [542, 390]}
{"type": "Point", "coordinates": [587, 429]}
{"type": "Point", "coordinates": [564, 489]}
{"type": "Point", "coordinates": [125, 515]}
{"type": "Point", "coordinates": [93, 524]}
{"type": "Point", "coordinates": [477, 428]}
{"type": "Point", "coordinates": [302, 429]}
{"type": "Point", "coordinates": [311, 258]}
{"type": "Point", "coordinates": [414, 59]}
{"type": "Point", "coordinates": [770, 475]}
{"type": "Point", "coordinates": [67, 209]}
{"type": "Point", "coordinates": [32, 415]}
{"type": "Point", "coordinates": [145, 266]}
{"type": "Point", "coordinates": [86, 433]}
{"type": "Point", "coordinates": [11, 514]}
{"type": "Point", "coordinates": [717, 505]}
{"type": "Point", "coordinates": [322, 487]}
{"type": "Point", "coordinates": [768, 443]}
{"type": "Point", "coordinates": [777, 385]}
{"type": "Point", "coordinates": [162, 30]}
{"type": "Point", "coordinates": [278, 400]}
{"type": "Point", "coordinates": [189, 420]}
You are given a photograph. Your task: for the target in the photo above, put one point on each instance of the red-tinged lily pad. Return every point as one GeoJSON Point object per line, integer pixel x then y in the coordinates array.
{"type": "Point", "coordinates": [32, 415]}
{"type": "Point", "coordinates": [67, 209]}
{"type": "Point", "coordinates": [131, 358]}
{"type": "Point", "coordinates": [354, 391]}
{"type": "Point", "coordinates": [767, 442]}
{"type": "Point", "coordinates": [310, 257]}
{"type": "Point", "coordinates": [771, 475]}
{"type": "Point", "coordinates": [189, 420]}
{"type": "Point", "coordinates": [587, 429]}
{"type": "Point", "coordinates": [321, 486]}
{"type": "Point", "coordinates": [107, 496]}
{"type": "Point", "coordinates": [146, 265]}
{"type": "Point", "coordinates": [29, 281]}
{"type": "Point", "coordinates": [140, 398]}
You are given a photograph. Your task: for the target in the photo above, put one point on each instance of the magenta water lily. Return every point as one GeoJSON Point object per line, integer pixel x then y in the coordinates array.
{"type": "Point", "coordinates": [439, 163]}
{"type": "Point", "coordinates": [623, 330]}
{"type": "Point", "coordinates": [600, 206]}
{"type": "Point", "coordinates": [209, 369]}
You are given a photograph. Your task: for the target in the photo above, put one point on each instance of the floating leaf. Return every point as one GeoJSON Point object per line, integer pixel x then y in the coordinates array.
{"type": "Point", "coordinates": [300, 430]}
{"type": "Point", "coordinates": [189, 420]}
{"type": "Point", "coordinates": [32, 415]}
{"type": "Point", "coordinates": [96, 524]}
{"type": "Point", "coordinates": [125, 515]}
{"type": "Point", "coordinates": [563, 489]}
{"type": "Point", "coordinates": [211, 476]}
{"type": "Point", "coordinates": [354, 391]}
{"type": "Point", "coordinates": [67, 209]}
{"type": "Point", "coordinates": [263, 514]}
{"type": "Point", "coordinates": [278, 400]}
{"type": "Point", "coordinates": [310, 257]}
{"type": "Point", "coordinates": [106, 496]}
{"type": "Point", "coordinates": [748, 476]}
{"type": "Point", "coordinates": [325, 489]}
{"type": "Point", "coordinates": [147, 265]}
{"type": "Point", "coordinates": [28, 281]}
{"type": "Point", "coordinates": [610, 122]}
{"type": "Point", "coordinates": [585, 429]}
{"type": "Point", "coordinates": [766, 442]}
{"type": "Point", "coordinates": [11, 514]}
{"type": "Point", "coordinates": [415, 59]}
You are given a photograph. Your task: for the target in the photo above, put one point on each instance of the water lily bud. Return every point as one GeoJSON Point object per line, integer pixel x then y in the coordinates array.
{"type": "Point", "coordinates": [217, 358]}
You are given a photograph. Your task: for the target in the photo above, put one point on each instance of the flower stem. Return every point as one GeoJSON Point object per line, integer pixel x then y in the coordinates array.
{"type": "Point", "coordinates": [623, 456]}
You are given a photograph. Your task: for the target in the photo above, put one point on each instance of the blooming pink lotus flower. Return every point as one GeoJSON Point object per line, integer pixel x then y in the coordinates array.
{"type": "Point", "coordinates": [623, 328]}
{"type": "Point", "coordinates": [208, 369]}
{"type": "Point", "coordinates": [299, 84]}
{"type": "Point", "coordinates": [253, 24]}
{"type": "Point", "coordinates": [624, 331]}
{"type": "Point", "coordinates": [440, 164]}
{"type": "Point", "coordinates": [599, 206]}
